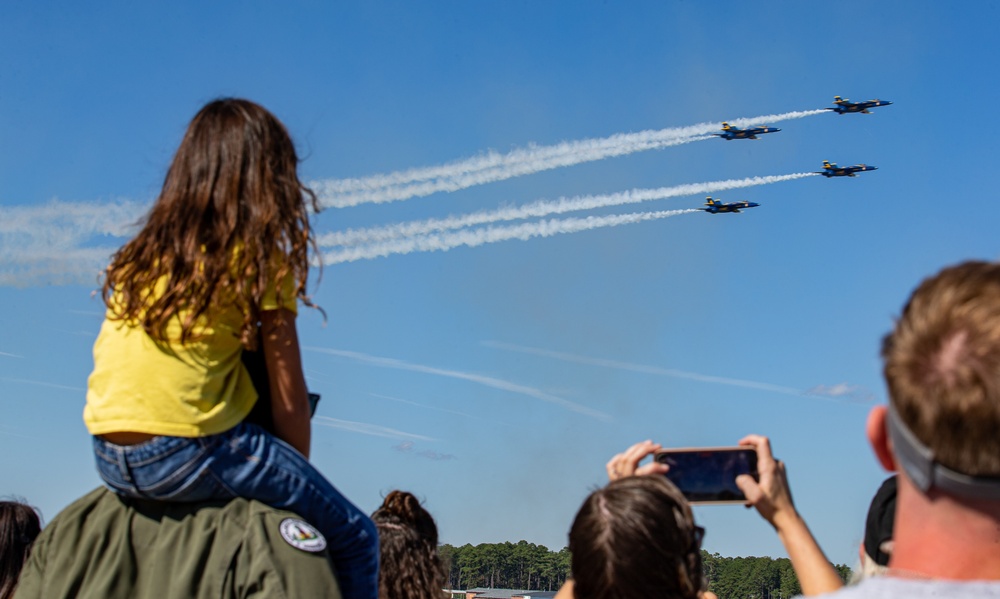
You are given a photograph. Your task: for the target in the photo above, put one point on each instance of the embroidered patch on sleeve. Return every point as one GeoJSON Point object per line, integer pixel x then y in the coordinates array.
{"type": "Point", "coordinates": [302, 535]}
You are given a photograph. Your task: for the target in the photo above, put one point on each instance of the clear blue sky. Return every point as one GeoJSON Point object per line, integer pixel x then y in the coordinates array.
{"type": "Point", "coordinates": [689, 330]}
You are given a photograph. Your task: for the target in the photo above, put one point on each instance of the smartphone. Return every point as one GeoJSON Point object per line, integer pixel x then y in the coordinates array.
{"type": "Point", "coordinates": [707, 475]}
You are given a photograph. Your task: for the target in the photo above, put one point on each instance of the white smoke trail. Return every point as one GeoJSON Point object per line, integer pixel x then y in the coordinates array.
{"type": "Point", "coordinates": [47, 244]}
{"type": "Point", "coordinates": [70, 220]}
{"type": "Point", "coordinates": [366, 428]}
{"type": "Point", "coordinates": [655, 370]}
{"type": "Point", "coordinates": [479, 236]}
{"type": "Point", "coordinates": [471, 377]}
{"type": "Point", "coordinates": [842, 391]}
{"type": "Point", "coordinates": [370, 235]}
{"type": "Point", "coordinates": [529, 161]}
{"type": "Point", "coordinates": [494, 166]}
{"type": "Point", "coordinates": [33, 266]}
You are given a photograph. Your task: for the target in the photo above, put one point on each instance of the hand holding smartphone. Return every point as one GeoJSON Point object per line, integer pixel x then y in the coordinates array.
{"type": "Point", "coordinates": [707, 475]}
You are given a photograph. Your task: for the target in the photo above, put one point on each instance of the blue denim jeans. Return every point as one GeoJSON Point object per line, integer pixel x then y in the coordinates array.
{"type": "Point", "coordinates": [246, 461]}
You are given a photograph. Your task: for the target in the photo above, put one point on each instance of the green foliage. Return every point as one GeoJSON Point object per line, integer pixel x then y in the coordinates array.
{"type": "Point", "coordinates": [524, 565]}
{"type": "Point", "coordinates": [754, 577]}
{"type": "Point", "coordinates": [520, 565]}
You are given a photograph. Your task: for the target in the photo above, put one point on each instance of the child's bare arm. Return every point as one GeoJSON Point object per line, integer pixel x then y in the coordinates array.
{"type": "Point", "coordinates": [289, 396]}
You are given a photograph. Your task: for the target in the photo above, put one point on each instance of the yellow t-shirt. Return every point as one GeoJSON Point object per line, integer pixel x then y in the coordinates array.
{"type": "Point", "coordinates": [191, 390]}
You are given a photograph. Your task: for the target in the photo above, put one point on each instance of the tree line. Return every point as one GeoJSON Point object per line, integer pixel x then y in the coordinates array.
{"type": "Point", "coordinates": [520, 565]}
{"type": "Point", "coordinates": [754, 577]}
{"type": "Point", "coordinates": [524, 565]}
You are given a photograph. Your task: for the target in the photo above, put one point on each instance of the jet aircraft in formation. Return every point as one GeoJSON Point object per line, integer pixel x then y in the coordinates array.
{"type": "Point", "coordinates": [715, 206]}
{"type": "Point", "coordinates": [843, 106]}
{"type": "Point", "coordinates": [732, 132]}
{"type": "Point", "coordinates": [830, 169]}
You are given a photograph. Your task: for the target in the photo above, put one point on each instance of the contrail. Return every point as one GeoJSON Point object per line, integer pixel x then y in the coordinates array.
{"type": "Point", "coordinates": [821, 392]}
{"type": "Point", "coordinates": [25, 267]}
{"type": "Point", "coordinates": [494, 166]}
{"type": "Point", "coordinates": [40, 384]}
{"type": "Point", "coordinates": [490, 234]}
{"type": "Point", "coordinates": [370, 235]}
{"type": "Point", "coordinates": [566, 357]}
{"type": "Point", "coordinates": [59, 223]}
{"type": "Point", "coordinates": [527, 164]}
{"type": "Point", "coordinates": [46, 244]}
{"type": "Point", "coordinates": [368, 429]}
{"type": "Point", "coordinates": [474, 378]}
{"type": "Point", "coordinates": [427, 407]}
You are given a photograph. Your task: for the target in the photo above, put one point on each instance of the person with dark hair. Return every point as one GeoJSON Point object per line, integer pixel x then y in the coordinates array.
{"type": "Point", "coordinates": [410, 567]}
{"type": "Point", "coordinates": [636, 537]}
{"type": "Point", "coordinates": [876, 547]}
{"type": "Point", "coordinates": [939, 434]}
{"type": "Point", "coordinates": [218, 268]}
{"type": "Point", "coordinates": [19, 525]}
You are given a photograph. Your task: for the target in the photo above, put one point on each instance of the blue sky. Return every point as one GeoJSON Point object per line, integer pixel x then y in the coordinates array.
{"type": "Point", "coordinates": [494, 381]}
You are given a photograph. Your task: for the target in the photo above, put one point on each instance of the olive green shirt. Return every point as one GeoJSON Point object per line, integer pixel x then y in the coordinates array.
{"type": "Point", "coordinates": [106, 547]}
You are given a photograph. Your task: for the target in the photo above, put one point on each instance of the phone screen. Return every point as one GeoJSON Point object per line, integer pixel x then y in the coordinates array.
{"type": "Point", "coordinates": [708, 475]}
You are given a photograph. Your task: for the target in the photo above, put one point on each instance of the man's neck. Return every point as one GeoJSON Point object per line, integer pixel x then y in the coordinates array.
{"type": "Point", "coordinates": [937, 536]}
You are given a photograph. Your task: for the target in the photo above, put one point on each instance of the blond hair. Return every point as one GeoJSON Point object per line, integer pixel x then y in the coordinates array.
{"type": "Point", "coordinates": [942, 367]}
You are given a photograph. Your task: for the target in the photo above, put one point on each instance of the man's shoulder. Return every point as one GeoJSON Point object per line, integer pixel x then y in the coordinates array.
{"type": "Point", "coordinates": [125, 548]}
{"type": "Point", "coordinates": [283, 550]}
{"type": "Point", "coordinates": [890, 587]}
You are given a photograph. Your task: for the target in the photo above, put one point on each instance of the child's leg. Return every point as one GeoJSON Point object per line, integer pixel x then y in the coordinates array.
{"type": "Point", "coordinates": [258, 465]}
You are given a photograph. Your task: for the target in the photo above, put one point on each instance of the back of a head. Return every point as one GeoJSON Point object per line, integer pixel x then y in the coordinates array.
{"type": "Point", "coordinates": [879, 526]}
{"type": "Point", "coordinates": [409, 567]}
{"type": "Point", "coordinates": [231, 203]}
{"type": "Point", "coordinates": [942, 368]}
{"type": "Point", "coordinates": [636, 537]}
{"type": "Point", "coordinates": [19, 526]}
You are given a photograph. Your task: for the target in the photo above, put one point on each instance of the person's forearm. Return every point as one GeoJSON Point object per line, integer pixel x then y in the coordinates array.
{"type": "Point", "coordinates": [565, 591]}
{"type": "Point", "coordinates": [815, 573]}
{"type": "Point", "coordinates": [289, 396]}
{"type": "Point", "coordinates": [291, 425]}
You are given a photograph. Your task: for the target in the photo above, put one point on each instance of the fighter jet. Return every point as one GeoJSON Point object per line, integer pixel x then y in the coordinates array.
{"type": "Point", "coordinates": [731, 132]}
{"type": "Point", "coordinates": [844, 106]}
{"type": "Point", "coordinates": [830, 169]}
{"type": "Point", "coordinates": [715, 206]}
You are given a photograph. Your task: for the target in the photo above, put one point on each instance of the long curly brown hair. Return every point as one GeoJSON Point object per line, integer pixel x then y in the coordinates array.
{"type": "Point", "coordinates": [231, 219]}
{"type": "Point", "coordinates": [409, 567]}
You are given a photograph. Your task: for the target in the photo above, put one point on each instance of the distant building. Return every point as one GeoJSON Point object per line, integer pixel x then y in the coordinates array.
{"type": "Point", "coordinates": [484, 593]}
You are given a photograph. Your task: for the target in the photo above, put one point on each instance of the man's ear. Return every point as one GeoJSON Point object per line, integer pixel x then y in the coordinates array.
{"type": "Point", "coordinates": [878, 436]}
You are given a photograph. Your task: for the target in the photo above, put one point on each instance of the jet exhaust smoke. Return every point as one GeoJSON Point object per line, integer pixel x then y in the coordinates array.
{"type": "Point", "coordinates": [479, 236]}
{"type": "Point", "coordinates": [494, 166]}
{"type": "Point", "coordinates": [351, 237]}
